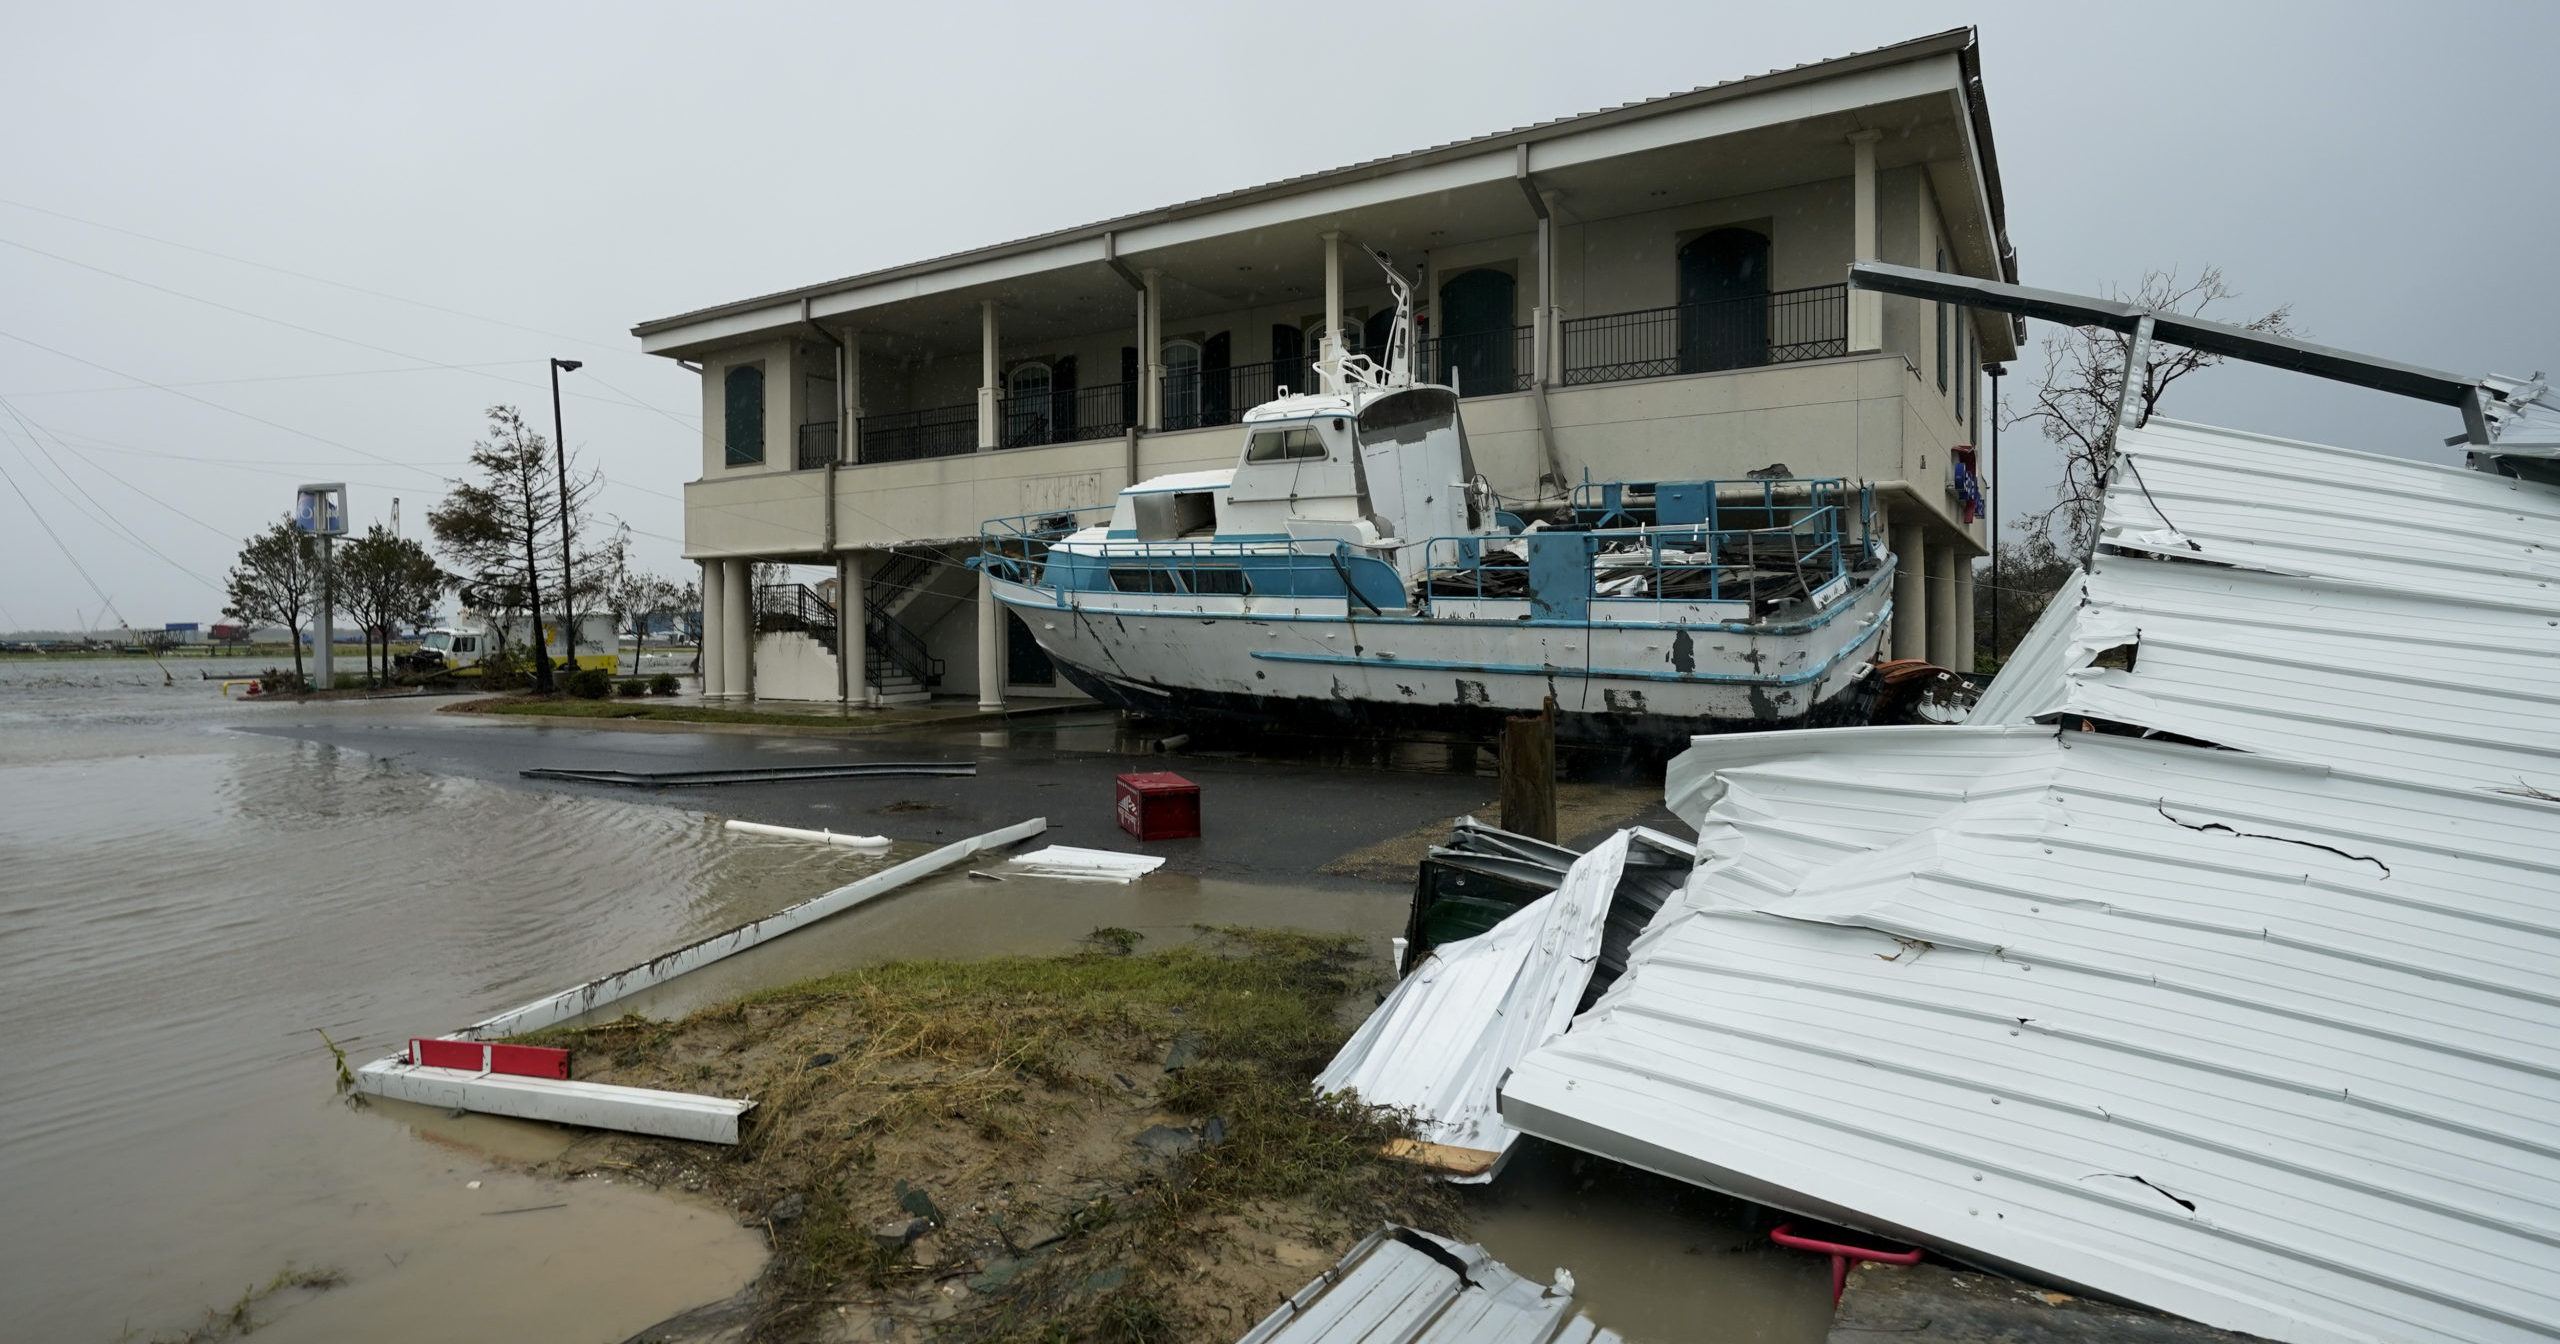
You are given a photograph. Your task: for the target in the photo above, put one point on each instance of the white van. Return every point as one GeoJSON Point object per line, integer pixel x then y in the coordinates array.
{"type": "Point", "coordinates": [461, 647]}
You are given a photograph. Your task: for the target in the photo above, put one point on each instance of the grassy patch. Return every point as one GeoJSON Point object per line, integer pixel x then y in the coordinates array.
{"type": "Point", "coordinates": [1115, 1145]}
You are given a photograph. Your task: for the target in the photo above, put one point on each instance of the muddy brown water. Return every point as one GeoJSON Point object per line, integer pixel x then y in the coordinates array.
{"type": "Point", "coordinates": [181, 905]}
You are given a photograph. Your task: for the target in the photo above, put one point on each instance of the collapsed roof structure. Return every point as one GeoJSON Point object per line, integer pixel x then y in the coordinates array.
{"type": "Point", "coordinates": [2214, 965]}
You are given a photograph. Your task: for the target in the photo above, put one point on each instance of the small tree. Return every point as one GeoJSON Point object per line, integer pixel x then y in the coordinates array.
{"type": "Point", "coordinates": [494, 527]}
{"type": "Point", "coordinates": [2075, 403]}
{"type": "Point", "coordinates": [388, 581]}
{"type": "Point", "coordinates": [275, 582]}
{"type": "Point", "coordinates": [635, 598]}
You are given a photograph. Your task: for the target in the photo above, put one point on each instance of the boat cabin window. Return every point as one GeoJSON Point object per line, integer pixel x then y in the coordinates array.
{"type": "Point", "coordinates": [437, 640]}
{"type": "Point", "coordinates": [1219, 580]}
{"type": "Point", "coordinates": [1149, 579]}
{"type": "Point", "coordinates": [466, 643]}
{"type": "Point", "coordinates": [1289, 444]}
{"type": "Point", "coordinates": [1170, 515]}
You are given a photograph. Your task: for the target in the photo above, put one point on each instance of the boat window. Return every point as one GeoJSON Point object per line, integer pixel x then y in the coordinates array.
{"type": "Point", "coordinates": [466, 644]}
{"type": "Point", "coordinates": [1222, 580]}
{"type": "Point", "coordinates": [439, 641]}
{"type": "Point", "coordinates": [1285, 445]}
{"type": "Point", "coordinates": [1147, 580]}
{"type": "Point", "coordinates": [1408, 416]}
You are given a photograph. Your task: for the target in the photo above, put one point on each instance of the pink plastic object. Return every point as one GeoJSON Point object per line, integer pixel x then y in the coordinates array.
{"type": "Point", "coordinates": [1841, 1254]}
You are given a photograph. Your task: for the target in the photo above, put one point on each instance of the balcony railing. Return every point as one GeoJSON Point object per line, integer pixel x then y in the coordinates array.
{"type": "Point", "coordinates": [1479, 363]}
{"type": "Point", "coordinates": [903, 436]}
{"type": "Point", "coordinates": [817, 446]}
{"type": "Point", "coordinates": [1780, 328]}
{"type": "Point", "coordinates": [1066, 416]}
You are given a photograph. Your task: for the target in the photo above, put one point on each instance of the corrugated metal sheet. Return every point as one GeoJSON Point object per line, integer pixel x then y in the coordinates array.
{"type": "Point", "coordinates": [1400, 1286]}
{"type": "Point", "coordinates": [1451, 1029]}
{"type": "Point", "coordinates": [2265, 1037]}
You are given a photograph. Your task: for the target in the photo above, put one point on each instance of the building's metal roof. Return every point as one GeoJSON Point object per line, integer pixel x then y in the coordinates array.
{"type": "Point", "coordinates": [1958, 41]}
{"type": "Point", "coordinates": [1411, 1287]}
{"type": "Point", "coordinates": [2265, 1036]}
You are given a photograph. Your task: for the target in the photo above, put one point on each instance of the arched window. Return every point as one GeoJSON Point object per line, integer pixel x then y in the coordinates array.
{"type": "Point", "coordinates": [1724, 301]}
{"type": "Point", "coordinates": [743, 387]}
{"type": "Point", "coordinates": [1026, 405]}
{"type": "Point", "coordinates": [1477, 318]}
{"type": "Point", "coordinates": [1181, 384]}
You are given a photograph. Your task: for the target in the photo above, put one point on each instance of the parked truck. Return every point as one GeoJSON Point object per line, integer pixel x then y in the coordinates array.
{"type": "Point", "coordinates": [460, 648]}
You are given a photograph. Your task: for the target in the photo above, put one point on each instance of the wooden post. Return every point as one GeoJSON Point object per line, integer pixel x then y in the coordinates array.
{"type": "Point", "coordinates": [1529, 774]}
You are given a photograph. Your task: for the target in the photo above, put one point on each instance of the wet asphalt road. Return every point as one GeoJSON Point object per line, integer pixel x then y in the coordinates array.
{"type": "Point", "coordinates": [1261, 818]}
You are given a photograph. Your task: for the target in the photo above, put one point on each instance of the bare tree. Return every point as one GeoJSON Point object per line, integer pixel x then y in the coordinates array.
{"type": "Point", "coordinates": [2075, 402]}
{"type": "Point", "coordinates": [494, 526]}
{"type": "Point", "coordinates": [275, 582]}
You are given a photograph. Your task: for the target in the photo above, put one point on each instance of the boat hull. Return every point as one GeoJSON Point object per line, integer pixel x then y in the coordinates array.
{"type": "Point", "coordinates": [1309, 665]}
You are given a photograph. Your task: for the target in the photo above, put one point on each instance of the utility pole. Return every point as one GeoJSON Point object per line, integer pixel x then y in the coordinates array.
{"type": "Point", "coordinates": [568, 575]}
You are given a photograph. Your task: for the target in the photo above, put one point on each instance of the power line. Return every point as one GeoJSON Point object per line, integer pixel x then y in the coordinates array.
{"type": "Point", "coordinates": [268, 378]}
{"type": "Point", "coordinates": [73, 560]}
{"type": "Point", "coordinates": [309, 330]}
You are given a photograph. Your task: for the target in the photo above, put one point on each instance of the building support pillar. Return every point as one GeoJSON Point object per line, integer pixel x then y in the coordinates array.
{"type": "Point", "coordinates": [1151, 351]}
{"type": "Point", "coordinates": [1964, 595]}
{"type": "Point", "coordinates": [738, 629]}
{"type": "Point", "coordinates": [1866, 306]}
{"type": "Point", "coordinates": [1329, 352]}
{"type": "Point", "coordinates": [989, 390]}
{"type": "Point", "coordinates": [1544, 330]}
{"type": "Point", "coordinates": [715, 629]}
{"type": "Point", "coordinates": [1942, 605]}
{"type": "Point", "coordinates": [1910, 587]}
{"type": "Point", "coordinates": [990, 645]}
{"type": "Point", "coordinates": [853, 614]}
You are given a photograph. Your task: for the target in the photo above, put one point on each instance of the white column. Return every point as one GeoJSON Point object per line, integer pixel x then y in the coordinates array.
{"type": "Point", "coordinates": [1151, 352]}
{"type": "Point", "coordinates": [738, 630]}
{"type": "Point", "coordinates": [715, 629]}
{"type": "Point", "coordinates": [849, 410]}
{"type": "Point", "coordinates": [1942, 605]}
{"type": "Point", "coordinates": [990, 645]}
{"type": "Point", "coordinates": [1910, 588]}
{"type": "Point", "coordinates": [1331, 353]}
{"type": "Point", "coordinates": [988, 435]}
{"type": "Point", "coordinates": [1866, 307]}
{"type": "Point", "coordinates": [1542, 330]}
{"type": "Point", "coordinates": [1964, 613]}
{"type": "Point", "coordinates": [852, 615]}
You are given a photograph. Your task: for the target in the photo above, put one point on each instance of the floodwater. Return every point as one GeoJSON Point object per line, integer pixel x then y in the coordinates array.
{"type": "Point", "coordinates": [184, 907]}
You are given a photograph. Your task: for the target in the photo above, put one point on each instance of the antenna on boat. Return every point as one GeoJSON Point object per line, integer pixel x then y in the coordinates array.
{"type": "Point", "coordinates": [1396, 369]}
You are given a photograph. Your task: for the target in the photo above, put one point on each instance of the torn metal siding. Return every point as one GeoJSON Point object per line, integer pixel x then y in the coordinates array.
{"type": "Point", "coordinates": [1451, 1029]}
{"type": "Point", "coordinates": [1389, 1288]}
{"type": "Point", "coordinates": [2266, 1037]}
{"type": "Point", "coordinates": [1978, 1021]}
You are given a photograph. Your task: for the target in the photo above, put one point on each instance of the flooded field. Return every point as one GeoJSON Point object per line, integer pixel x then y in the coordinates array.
{"type": "Point", "coordinates": [185, 907]}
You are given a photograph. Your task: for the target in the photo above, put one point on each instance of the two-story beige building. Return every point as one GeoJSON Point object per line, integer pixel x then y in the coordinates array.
{"type": "Point", "coordinates": [1651, 292]}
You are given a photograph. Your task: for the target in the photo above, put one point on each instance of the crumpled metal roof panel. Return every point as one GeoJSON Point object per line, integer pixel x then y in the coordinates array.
{"type": "Point", "coordinates": [2269, 1046]}
{"type": "Point", "coordinates": [2267, 1037]}
{"type": "Point", "coordinates": [1390, 1288]}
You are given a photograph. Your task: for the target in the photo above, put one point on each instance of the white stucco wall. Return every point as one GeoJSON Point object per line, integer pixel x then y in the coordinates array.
{"type": "Point", "coordinates": [791, 665]}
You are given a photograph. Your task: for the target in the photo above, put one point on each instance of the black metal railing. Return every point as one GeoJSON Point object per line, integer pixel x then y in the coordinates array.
{"type": "Point", "coordinates": [903, 436]}
{"type": "Point", "coordinates": [1479, 363]}
{"type": "Point", "coordinates": [1068, 416]}
{"type": "Point", "coordinates": [817, 446]}
{"type": "Point", "coordinates": [889, 646]}
{"type": "Point", "coordinates": [1779, 328]}
{"type": "Point", "coordinates": [795, 606]}
{"type": "Point", "coordinates": [1199, 397]}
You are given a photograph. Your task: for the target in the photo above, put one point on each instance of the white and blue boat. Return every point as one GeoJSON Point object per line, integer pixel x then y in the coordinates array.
{"type": "Point", "coordinates": [1353, 571]}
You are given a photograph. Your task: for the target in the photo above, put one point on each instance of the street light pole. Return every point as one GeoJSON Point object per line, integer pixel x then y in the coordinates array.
{"type": "Point", "coordinates": [1996, 371]}
{"type": "Point", "coordinates": [568, 573]}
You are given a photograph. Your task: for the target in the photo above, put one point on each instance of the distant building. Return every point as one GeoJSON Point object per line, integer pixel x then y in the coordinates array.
{"type": "Point", "coordinates": [1653, 291]}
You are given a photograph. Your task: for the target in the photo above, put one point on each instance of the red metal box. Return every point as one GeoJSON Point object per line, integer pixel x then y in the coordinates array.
{"type": "Point", "coordinates": [1159, 806]}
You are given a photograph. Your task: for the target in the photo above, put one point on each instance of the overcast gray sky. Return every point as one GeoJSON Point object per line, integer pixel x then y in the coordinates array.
{"type": "Point", "coordinates": [516, 182]}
